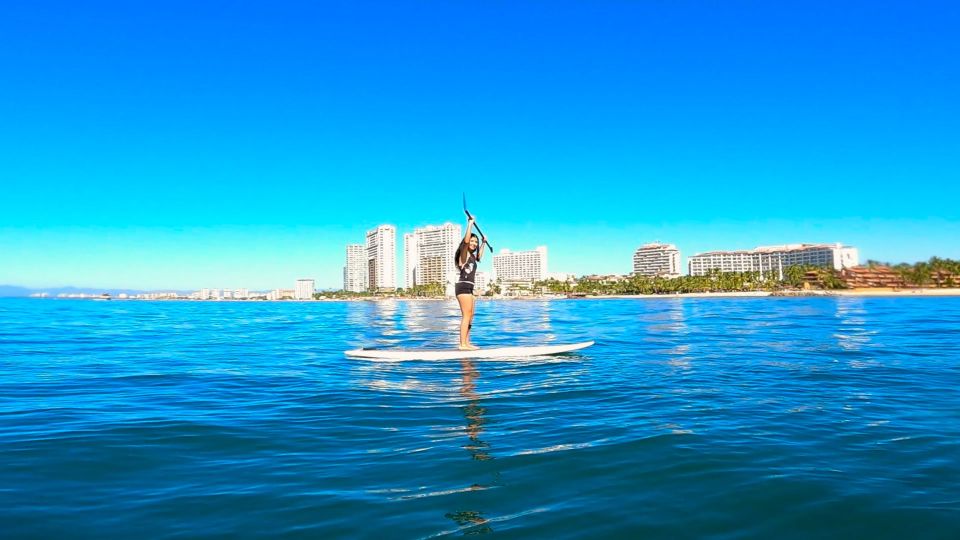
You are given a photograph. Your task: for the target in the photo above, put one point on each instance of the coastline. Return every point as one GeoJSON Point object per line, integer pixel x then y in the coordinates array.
{"type": "Point", "coordinates": [879, 292]}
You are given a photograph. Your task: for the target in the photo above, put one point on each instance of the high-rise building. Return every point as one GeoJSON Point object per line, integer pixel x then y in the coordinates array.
{"type": "Point", "coordinates": [382, 258]}
{"type": "Point", "coordinates": [520, 265]}
{"type": "Point", "coordinates": [304, 289]}
{"type": "Point", "coordinates": [772, 260]}
{"type": "Point", "coordinates": [482, 283]}
{"type": "Point", "coordinates": [657, 259]}
{"type": "Point", "coordinates": [430, 254]}
{"type": "Point", "coordinates": [355, 270]}
{"type": "Point", "coordinates": [411, 256]}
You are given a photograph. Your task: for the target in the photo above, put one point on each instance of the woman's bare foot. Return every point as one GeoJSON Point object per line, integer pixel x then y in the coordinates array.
{"type": "Point", "coordinates": [468, 347]}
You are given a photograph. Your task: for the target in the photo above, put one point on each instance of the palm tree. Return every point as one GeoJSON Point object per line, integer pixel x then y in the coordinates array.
{"type": "Point", "coordinates": [920, 274]}
{"type": "Point", "coordinates": [793, 275]}
{"type": "Point", "coordinates": [938, 268]}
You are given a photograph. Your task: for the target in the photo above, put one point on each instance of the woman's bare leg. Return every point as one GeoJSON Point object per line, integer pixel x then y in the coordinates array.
{"type": "Point", "coordinates": [463, 300]}
{"type": "Point", "coordinates": [466, 302]}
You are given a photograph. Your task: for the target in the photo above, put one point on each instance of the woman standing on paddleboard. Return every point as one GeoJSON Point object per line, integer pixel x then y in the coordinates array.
{"type": "Point", "coordinates": [466, 258]}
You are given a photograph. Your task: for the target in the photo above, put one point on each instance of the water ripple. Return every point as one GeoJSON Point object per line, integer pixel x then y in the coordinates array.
{"type": "Point", "coordinates": [690, 418]}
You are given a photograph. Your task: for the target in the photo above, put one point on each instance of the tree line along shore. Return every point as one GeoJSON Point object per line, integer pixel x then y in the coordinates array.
{"type": "Point", "coordinates": [938, 273]}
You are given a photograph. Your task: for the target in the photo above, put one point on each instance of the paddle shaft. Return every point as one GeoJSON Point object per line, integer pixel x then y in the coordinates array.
{"type": "Point", "coordinates": [467, 212]}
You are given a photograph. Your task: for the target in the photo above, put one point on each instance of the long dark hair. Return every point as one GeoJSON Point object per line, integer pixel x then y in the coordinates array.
{"type": "Point", "coordinates": [463, 245]}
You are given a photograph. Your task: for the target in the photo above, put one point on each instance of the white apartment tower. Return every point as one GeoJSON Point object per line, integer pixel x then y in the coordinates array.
{"type": "Point", "coordinates": [355, 271]}
{"type": "Point", "coordinates": [520, 265]}
{"type": "Point", "coordinates": [774, 259]}
{"type": "Point", "coordinates": [304, 289]}
{"type": "Point", "coordinates": [430, 253]}
{"type": "Point", "coordinates": [657, 259]}
{"type": "Point", "coordinates": [411, 255]}
{"type": "Point", "coordinates": [382, 258]}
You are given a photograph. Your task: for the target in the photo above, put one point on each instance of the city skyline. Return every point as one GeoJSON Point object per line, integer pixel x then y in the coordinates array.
{"type": "Point", "coordinates": [176, 146]}
{"type": "Point", "coordinates": [399, 254]}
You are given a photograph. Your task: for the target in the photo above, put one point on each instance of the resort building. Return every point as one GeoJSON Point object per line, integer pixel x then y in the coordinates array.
{"type": "Point", "coordinates": [482, 283]}
{"type": "Point", "coordinates": [520, 265]}
{"type": "Point", "coordinates": [411, 255]}
{"type": "Point", "coordinates": [355, 270]}
{"type": "Point", "coordinates": [657, 259]}
{"type": "Point", "coordinates": [772, 260]}
{"type": "Point", "coordinates": [382, 258]}
{"type": "Point", "coordinates": [281, 294]}
{"type": "Point", "coordinates": [430, 254]}
{"type": "Point", "coordinates": [304, 289]}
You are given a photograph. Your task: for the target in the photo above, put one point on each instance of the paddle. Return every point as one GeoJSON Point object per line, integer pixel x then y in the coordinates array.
{"type": "Point", "coordinates": [467, 212]}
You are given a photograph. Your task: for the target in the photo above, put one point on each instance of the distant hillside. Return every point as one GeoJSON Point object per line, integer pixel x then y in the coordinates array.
{"type": "Point", "coordinates": [13, 290]}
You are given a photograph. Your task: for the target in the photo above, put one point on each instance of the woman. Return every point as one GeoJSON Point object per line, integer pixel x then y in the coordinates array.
{"type": "Point", "coordinates": [466, 258]}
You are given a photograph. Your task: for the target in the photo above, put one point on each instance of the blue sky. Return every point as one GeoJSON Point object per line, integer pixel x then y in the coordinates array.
{"type": "Point", "coordinates": [178, 145]}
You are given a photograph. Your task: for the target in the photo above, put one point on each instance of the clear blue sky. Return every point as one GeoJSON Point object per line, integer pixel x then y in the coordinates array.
{"type": "Point", "coordinates": [193, 144]}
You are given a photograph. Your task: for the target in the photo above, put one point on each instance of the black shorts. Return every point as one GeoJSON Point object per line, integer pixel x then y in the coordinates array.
{"type": "Point", "coordinates": [463, 288]}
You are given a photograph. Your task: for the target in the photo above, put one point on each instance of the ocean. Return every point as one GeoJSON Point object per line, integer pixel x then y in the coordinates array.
{"type": "Point", "coordinates": [690, 418]}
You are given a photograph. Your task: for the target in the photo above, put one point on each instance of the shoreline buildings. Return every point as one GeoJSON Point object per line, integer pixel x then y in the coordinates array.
{"type": "Point", "coordinates": [774, 259]}
{"type": "Point", "coordinates": [411, 255]}
{"type": "Point", "coordinates": [304, 289]}
{"type": "Point", "coordinates": [429, 253]}
{"type": "Point", "coordinates": [520, 265]}
{"type": "Point", "coordinates": [355, 269]}
{"type": "Point", "coordinates": [382, 258]}
{"type": "Point", "coordinates": [656, 259]}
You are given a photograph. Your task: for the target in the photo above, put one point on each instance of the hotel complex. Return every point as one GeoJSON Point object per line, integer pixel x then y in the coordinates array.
{"type": "Point", "coordinates": [428, 254]}
{"type": "Point", "coordinates": [775, 259]}
{"type": "Point", "coordinates": [657, 259]}
{"type": "Point", "coordinates": [355, 271]}
{"type": "Point", "coordinates": [429, 259]}
{"type": "Point", "coordinates": [304, 289]}
{"type": "Point", "coordinates": [411, 255]}
{"type": "Point", "coordinates": [520, 265]}
{"type": "Point", "coordinates": [382, 258]}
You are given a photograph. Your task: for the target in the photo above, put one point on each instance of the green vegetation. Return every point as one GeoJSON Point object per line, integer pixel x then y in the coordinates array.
{"type": "Point", "coordinates": [430, 290]}
{"type": "Point", "coordinates": [341, 295]}
{"type": "Point", "coordinates": [427, 290]}
{"type": "Point", "coordinates": [553, 286]}
{"type": "Point", "coordinates": [934, 272]}
{"type": "Point", "coordinates": [794, 277]}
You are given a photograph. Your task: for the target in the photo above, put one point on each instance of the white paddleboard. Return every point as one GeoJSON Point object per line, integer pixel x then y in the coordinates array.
{"type": "Point", "coordinates": [456, 354]}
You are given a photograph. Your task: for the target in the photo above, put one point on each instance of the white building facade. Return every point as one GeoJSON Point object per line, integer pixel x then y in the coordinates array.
{"type": "Point", "coordinates": [520, 265]}
{"type": "Point", "coordinates": [432, 255]}
{"type": "Point", "coordinates": [482, 283]}
{"type": "Point", "coordinates": [304, 289]}
{"type": "Point", "coordinates": [772, 260]}
{"type": "Point", "coordinates": [656, 259]}
{"type": "Point", "coordinates": [382, 258]}
{"type": "Point", "coordinates": [355, 269]}
{"type": "Point", "coordinates": [411, 255]}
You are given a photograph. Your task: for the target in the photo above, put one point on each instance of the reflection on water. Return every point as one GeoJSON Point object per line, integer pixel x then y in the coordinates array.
{"type": "Point", "coordinates": [472, 521]}
{"type": "Point", "coordinates": [518, 322]}
{"type": "Point", "coordinates": [715, 410]}
{"type": "Point", "coordinates": [852, 335]}
{"type": "Point", "coordinates": [473, 412]}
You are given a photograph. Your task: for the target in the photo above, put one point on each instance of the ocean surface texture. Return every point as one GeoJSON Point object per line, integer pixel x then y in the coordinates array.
{"type": "Point", "coordinates": [690, 418]}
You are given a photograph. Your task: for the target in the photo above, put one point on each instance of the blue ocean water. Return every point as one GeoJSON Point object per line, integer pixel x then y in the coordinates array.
{"type": "Point", "coordinates": [690, 418]}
